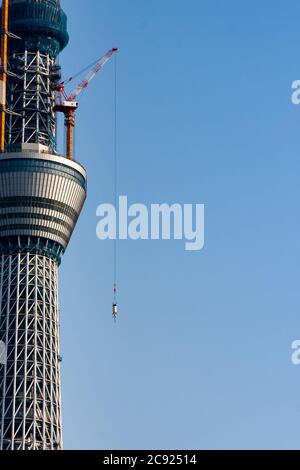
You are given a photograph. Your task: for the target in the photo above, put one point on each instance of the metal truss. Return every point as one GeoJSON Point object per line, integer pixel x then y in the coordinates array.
{"type": "Point", "coordinates": [31, 100]}
{"type": "Point", "coordinates": [30, 401]}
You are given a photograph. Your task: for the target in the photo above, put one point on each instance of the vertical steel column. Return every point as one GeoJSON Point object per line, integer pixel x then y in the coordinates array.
{"type": "Point", "coordinates": [4, 44]}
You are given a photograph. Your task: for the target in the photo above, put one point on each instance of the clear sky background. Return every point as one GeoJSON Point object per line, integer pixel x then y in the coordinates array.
{"type": "Point", "coordinates": [200, 356]}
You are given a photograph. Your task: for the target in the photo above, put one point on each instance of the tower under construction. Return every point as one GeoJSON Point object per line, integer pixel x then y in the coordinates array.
{"type": "Point", "coordinates": [41, 197]}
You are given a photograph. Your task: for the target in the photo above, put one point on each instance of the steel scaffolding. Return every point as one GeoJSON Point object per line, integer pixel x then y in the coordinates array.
{"type": "Point", "coordinates": [31, 98]}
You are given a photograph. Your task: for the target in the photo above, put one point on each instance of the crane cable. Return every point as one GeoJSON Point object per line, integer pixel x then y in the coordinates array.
{"type": "Point", "coordinates": [115, 184]}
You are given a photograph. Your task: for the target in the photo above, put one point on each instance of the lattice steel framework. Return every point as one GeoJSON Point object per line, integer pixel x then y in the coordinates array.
{"type": "Point", "coordinates": [29, 326]}
{"type": "Point", "coordinates": [31, 97]}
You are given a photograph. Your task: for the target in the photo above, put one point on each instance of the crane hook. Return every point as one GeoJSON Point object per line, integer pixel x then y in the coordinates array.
{"type": "Point", "coordinates": [115, 310]}
{"type": "Point", "coordinates": [115, 304]}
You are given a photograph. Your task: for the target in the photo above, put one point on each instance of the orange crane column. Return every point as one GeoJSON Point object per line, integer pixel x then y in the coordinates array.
{"type": "Point", "coordinates": [3, 77]}
{"type": "Point", "coordinates": [70, 124]}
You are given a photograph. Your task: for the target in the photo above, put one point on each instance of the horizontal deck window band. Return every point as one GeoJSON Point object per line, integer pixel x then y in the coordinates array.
{"type": "Point", "coordinates": [34, 228]}
{"type": "Point", "coordinates": [51, 172]}
{"type": "Point", "coordinates": [41, 217]}
{"type": "Point", "coordinates": [40, 202]}
{"type": "Point", "coordinates": [28, 211]}
{"type": "Point", "coordinates": [41, 166]}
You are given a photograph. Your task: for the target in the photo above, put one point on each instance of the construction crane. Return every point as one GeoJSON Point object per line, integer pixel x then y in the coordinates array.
{"type": "Point", "coordinates": [68, 104]}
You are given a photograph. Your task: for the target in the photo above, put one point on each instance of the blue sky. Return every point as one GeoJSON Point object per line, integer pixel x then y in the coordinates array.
{"type": "Point", "coordinates": [200, 356]}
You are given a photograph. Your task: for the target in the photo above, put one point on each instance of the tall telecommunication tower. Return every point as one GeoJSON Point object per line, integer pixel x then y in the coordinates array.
{"type": "Point", "coordinates": [41, 197]}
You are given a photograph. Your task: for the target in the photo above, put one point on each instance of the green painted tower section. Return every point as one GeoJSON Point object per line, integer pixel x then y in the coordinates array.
{"type": "Point", "coordinates": [42, 25]}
